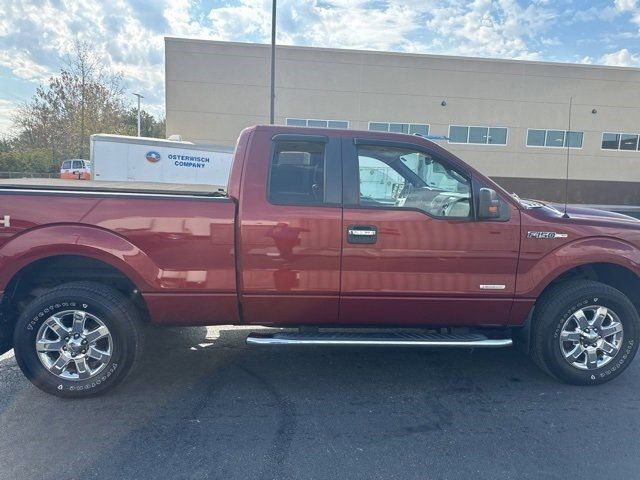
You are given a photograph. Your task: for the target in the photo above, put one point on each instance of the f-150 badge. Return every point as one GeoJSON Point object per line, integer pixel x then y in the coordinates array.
{"type": "Point", "coordinates": [547, 235]}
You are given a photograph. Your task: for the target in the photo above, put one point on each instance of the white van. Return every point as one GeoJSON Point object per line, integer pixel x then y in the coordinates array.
{"type": "Point", "coordinates": [75, 169]}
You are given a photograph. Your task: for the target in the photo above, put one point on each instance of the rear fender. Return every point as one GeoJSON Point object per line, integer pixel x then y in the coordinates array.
{"type": "Point", "coordinates": [82, 240]}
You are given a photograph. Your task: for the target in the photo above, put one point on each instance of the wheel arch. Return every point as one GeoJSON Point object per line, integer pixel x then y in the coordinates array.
{"type": "Point", "coordinates": [44, 273]}
{"type": "Point", "coordinates": [618, 276]}
{"type": "Point", "coordinates": [77, 240]}
{"type": "Point", "coordinates": [536, 276]}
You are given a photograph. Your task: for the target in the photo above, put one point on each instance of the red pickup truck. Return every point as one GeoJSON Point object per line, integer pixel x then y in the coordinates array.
{"type": "Point", "coordinates": [324, 231]}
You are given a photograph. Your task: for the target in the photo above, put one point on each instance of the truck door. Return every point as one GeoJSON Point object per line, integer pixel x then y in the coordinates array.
{"type": "Point", "coordinates": [290, 220]}
{"type": "Point", "coordinates": [413, 251]}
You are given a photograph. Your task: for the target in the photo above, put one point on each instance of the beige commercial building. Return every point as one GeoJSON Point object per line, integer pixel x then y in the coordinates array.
{"type": "Point", "coordinates": [508, 118]}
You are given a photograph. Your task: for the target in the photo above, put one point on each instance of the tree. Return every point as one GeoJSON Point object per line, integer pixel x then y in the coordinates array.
{"type": "Point", "coordinates": [5, 145]}
{"type": "Point", "coordinates": [82, 100]}
{"type": "Point", "coordinates": [149, 126]}
{"type": "Point", "coordinates": [36, 160]}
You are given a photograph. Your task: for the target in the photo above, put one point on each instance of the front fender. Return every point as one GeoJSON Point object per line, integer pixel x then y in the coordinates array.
{"type": "Point", "coordinates": [535, 273]}
{"type": "Point", "coordinates": [83, 240]}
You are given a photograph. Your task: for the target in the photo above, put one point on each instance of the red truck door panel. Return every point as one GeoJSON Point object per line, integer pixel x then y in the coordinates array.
{"type": "Point", "coordinates": [413, 252]}
{"type": "Point", "coordinates": [291, 232]}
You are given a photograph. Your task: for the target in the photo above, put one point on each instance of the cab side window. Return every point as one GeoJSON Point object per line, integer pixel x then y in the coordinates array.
{"type": "Point", "coordinates": [297, 173]}
{"type": "Point", "coordinates": [77, 164]}
{"type": "Point", "coordinates": [404, 178]}
{"type": "Point", "coordinates": [66, 165]}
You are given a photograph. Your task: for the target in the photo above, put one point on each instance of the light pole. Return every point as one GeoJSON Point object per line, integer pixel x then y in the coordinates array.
{"type": "Point", "coordinates": [139, 97]}
{"type": "Point", "coordinates": [273, 61]}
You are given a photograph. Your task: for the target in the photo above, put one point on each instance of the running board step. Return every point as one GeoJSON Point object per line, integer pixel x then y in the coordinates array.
{"type": "Point", "coordinates": [379, 339]}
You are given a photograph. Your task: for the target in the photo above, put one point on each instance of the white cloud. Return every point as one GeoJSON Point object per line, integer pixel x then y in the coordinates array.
{"type": "Point", "coordinates": [35, 39]}
{"type": "Point", "coordinates": [628, 8]}
{"type": "Point", "coordinates": [621, 58]}
{"type": "Point", "coordinates": [7, 108]}
{"type": "Point", "coordinates": [356, 26]}
{"type": "Point", "coordinates": [625, 5]}
{"type": "Point", "coordinates": [249, 19]}
{"type": "Point", "coordinates": [596, 12]}
{"type": "Point", "coordinates": [23, 66]}
{"type": "Point", "coordinates": [181, 23]}
{"type": "Point", "coordinates": [339, 23]}
{"type": "Point", "coordinates": [500, 28]}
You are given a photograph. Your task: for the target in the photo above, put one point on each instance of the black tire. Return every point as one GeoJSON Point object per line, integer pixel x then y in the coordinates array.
{"type": "Point", "coordinates": [114, 311]}
{"type": "Point", "coordinates": [557, 305]}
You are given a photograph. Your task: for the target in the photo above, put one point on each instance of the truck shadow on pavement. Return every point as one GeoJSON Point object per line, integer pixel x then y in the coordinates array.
{"type": "Point", "coordinates": [203, 404]}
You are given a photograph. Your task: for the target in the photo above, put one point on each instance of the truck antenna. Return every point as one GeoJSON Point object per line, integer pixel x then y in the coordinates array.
{"type": "Point", "coordinates": [566, 178]}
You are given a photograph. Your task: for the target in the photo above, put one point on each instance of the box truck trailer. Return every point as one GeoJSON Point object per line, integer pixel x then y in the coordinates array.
{"type": "Point", "coordinates": [121, 158]}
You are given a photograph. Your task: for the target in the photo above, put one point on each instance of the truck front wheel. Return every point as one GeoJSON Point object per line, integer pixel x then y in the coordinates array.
{"type": "Point", "coordinates": [584, 332]}
{"type": "Point", "coordinates": [77, 340]}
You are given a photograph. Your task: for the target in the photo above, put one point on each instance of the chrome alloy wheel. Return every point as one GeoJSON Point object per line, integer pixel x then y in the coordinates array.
{"type": "Point", "coordinates": [74, 345]}
{"type": "Point", "coordinates": [591, 337]}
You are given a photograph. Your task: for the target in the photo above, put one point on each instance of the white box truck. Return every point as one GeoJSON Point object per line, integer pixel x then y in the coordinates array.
{"type": "Point", "coordinates": [120, 158]}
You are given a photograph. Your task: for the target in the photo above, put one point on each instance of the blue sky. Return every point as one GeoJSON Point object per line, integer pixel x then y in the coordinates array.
{"type": "Point", "coordinates": [35, 35]}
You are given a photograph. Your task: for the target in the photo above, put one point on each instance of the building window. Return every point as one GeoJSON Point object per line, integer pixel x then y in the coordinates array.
{"type": "Point", "coordinates": [620, 141]}
{"type": "Point", "coordinates": [574, 139]}
{"type": "Point", "coordinates": [311, 122]}
{"type": "Point", "coordinates": [535, 138]}
{"type": "Point", "coordinates": [610, 141]}
{"type": "Point", "coordinates": [628, 142]}
{"type": "Point", "coordinates": [554, 138]}
{"type": "Point", "coordinates": [478, 135]}
{"type": "Point", "coordinates": [410, 128]}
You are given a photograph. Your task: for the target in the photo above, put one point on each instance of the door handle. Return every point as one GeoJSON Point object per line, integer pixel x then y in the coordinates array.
{"type": "Point", "coordinates": [363, 234]}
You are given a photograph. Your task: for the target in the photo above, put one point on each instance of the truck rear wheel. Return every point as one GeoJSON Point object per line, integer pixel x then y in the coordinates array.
{"type": "Point", "coordinates": [78, 340]}
{"type": "Point", "coordinates": [584, 332]}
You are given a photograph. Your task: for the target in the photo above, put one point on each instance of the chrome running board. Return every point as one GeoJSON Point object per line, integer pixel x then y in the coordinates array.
{"type": "Point", "coordinates": [392, 339]}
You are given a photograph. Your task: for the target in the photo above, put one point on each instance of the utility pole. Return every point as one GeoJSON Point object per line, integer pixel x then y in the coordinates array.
{"type": "Point", "coordinates": [273, 62]}
{"type": "Point", "coordinates": [139, 97]}
{"type": "Point", "coordinates": [84, 75]}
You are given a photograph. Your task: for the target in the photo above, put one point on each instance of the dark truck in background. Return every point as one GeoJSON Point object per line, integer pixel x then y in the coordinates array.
{"type": "Point", "coordinates": [321, 230]}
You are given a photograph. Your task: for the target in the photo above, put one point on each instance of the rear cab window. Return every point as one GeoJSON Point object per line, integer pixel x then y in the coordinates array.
{"type": "Point", "coordinates": [297, 174]}
{"type": "Point", "coordinates": [305, 170]}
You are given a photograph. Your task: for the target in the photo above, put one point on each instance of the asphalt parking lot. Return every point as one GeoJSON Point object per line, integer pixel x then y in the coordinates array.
{"type": "Point", "coordinates": [202, 404]}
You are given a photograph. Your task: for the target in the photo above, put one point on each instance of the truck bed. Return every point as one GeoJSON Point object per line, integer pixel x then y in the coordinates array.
{"type": "Point", "coordinates": [119, 187]}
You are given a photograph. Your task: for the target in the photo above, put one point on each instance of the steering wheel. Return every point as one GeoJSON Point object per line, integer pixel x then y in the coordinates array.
{"type": "Point", "coordinates": [317, 192]}
{"type": "Point", "coordinates": [442, 207]}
